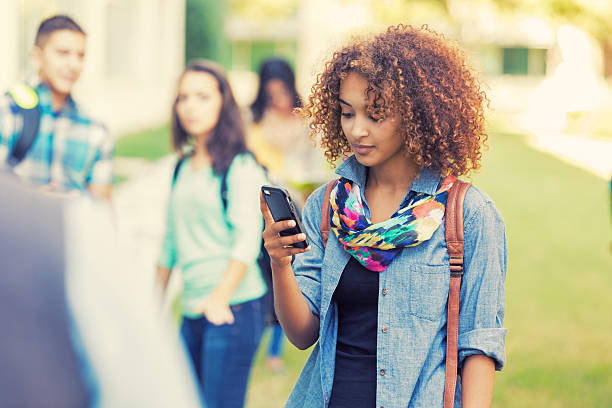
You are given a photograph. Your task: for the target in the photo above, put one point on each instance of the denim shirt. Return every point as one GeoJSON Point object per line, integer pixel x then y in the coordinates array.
{"type": "Point", "coordinates": [412, 302]}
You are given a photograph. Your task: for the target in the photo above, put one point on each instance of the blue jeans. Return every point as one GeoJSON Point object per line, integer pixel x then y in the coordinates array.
{"type": "Point", "coordinates": [276, 341]}
{"type": "Point", "coordinates": [222, 355]}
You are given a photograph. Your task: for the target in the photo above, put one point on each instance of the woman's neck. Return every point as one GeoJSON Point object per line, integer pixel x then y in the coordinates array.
{"type": "Point", "coordinates": [394, 175]}
{"type": "Point", "coordinates": [201, 156]}
{"type": "Point", "coordinates": [58, 101]}
{"type": "Point", "coordinates": [276, 115]}
{"type": "Point", "coordinates": [387, 185]}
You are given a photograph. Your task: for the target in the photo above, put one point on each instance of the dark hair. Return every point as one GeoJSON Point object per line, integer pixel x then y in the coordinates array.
{"type": "Point", "coordinates": [55, 23]}
{"type": "Point", "coordinates": [227, 138]}
{"type": "Point", "coordinates": [273, 68]}
{"type": "Point", "coordinates": [422, 77]}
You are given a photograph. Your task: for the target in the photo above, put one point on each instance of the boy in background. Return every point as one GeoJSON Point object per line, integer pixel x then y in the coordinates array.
{"type": "Point", "coordinates": [45, 136]}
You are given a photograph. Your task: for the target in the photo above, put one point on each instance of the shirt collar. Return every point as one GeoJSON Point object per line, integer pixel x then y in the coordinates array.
{"type": "Point", "coordinates": [44, 95]}
{"type": "Point", "coordinates": [354, 171]}
{"type": "Point", "coordinates": [426, 182]}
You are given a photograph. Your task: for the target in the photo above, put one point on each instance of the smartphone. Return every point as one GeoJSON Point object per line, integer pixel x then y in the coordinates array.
{"type": "Point", "coordinates": [282, 208]}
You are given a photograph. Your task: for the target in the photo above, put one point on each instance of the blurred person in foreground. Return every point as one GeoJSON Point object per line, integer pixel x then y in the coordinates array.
{"type": "Point", "coordinates": [77, 327]}
{"type": "Point", "coordinates": [405, 113]}
{"type": "Point", "coordinates": [213, 235]}
{"type": "Point", "coordinates": [46, 138]}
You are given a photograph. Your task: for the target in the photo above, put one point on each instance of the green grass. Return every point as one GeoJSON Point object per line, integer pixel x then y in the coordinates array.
{"type": "Point", "coordinates": [150, 144]}
{"type": "Point", "coordinates": [268, 389]}
{"type": "Point", "coordinates": [118, 179]}
{"type": "Point", "coordinates": [558, 306]}
{"type": "Point", "coordinates": [558, 309]}
{"type": "Point", "coordinates": [558, 303]}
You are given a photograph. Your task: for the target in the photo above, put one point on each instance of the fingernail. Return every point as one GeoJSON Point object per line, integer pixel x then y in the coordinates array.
{"type": "Point", "coordinates": [292, 223]}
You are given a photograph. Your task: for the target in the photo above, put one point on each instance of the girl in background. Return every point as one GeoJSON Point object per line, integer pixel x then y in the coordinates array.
{"type": "Point", "coordinates": [215, 242]}
{"type": "Point", "coordinates": [277, 133]}
{"type": "Point", "coordinates": [277, 137]}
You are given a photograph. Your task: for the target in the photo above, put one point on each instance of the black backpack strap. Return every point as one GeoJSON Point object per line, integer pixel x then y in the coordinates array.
{"type": "Point", "coordinates": [224, 189]}
{"type": "Point", "coordinates": [177, 167]}
{"type": "Point", "coordinates": [224, 180]}
{"type": "Point", "coordinates": [29, 130]}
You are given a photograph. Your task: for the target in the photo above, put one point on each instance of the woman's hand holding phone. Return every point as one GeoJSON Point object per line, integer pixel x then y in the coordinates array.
{"type": "Point", "coordinates": [281, 239]}
{"type": "Point", "coordinates": [280, 247]}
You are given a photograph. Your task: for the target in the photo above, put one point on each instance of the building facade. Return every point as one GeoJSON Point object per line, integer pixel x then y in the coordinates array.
{"type": "Point", "coordinates": [135, 52]}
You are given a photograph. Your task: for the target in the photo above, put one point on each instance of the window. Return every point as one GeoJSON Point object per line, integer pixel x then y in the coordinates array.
{"type": "Point", "coordinates": [524, 61]}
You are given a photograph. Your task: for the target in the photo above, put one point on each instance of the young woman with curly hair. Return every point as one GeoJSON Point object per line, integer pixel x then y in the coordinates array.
{"type": "Point", "coordinates": [405, 113]}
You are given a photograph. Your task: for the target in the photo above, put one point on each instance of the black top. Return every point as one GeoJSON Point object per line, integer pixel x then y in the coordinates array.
{"type": "Point", "coordinates": [355, 370]}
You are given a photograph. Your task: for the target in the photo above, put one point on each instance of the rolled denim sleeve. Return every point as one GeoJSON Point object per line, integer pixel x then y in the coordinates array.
{"type": "Point", "coordinates": [307, 265]}
{"type": "Point", "coordinates": [482, 299]}
{"type": "Point", "coordinates": [244, 181]}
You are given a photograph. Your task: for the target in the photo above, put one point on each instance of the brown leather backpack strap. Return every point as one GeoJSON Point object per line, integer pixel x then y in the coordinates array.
{"type": "Point", "coordinates": [325, 211]}
{"type": "Point", "coordinates": [454, 243]}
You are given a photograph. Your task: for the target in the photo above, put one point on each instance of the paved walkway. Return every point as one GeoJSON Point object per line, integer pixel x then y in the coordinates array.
{"type": "Point", "coordinates": [140, 210]}
{"type": "Point", "coordinates": [593, 155]}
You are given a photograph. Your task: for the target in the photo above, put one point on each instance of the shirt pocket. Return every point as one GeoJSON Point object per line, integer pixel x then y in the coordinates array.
{"type": "Point", "coordinates": [428, 291]}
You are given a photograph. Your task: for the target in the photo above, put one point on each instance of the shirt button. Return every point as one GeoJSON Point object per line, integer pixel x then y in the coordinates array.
{"type": "Point", "coordinates": [385, 329]}
{"type": "Point", "coordinates": [382, 372]}
{"type": "Point", "coordinates": [385, 291]}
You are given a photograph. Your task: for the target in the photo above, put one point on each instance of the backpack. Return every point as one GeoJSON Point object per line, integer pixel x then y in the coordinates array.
{"type": "Point", "coordinates": [263, 259]}
{"type": "Point", "coordinates": [26, 101]}
{"type": "Point", "coordinates": [454, 243]}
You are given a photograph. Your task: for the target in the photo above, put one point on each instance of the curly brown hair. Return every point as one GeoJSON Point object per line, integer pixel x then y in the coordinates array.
{"type": "Point", "coordinates": [421, 76]}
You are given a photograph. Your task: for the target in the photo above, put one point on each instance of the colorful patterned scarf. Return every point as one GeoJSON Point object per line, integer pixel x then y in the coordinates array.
{"type": "Point", "coordinates": [375, 245]}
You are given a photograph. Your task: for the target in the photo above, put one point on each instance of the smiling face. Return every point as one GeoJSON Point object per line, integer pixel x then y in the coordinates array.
{"type": "Point", "coordinates": [375, 143]}
{"type": "Point", "coordinates": [198, 103]}
{"type": "Point", "coordinates": [60, 60]}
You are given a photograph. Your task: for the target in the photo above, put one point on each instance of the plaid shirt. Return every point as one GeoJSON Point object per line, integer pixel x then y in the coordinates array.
{"type": "Point", "coordinates": [70, 150]}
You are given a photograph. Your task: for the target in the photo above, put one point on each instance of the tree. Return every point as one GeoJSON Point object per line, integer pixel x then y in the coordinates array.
{"type": "Point", "coordinates": [204, 37]}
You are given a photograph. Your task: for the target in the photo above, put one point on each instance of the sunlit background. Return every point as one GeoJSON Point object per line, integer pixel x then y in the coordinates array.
{"type": "Point", "coordinates": [548, 69]}
{"type": "Point", "coordinates": [546, 61]}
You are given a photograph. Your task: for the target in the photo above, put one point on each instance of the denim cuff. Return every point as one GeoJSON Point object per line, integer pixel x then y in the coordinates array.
{"type": "Point", "coordinates": [489, 342]}
{"type": "Point", "coordinates": [303, 284]}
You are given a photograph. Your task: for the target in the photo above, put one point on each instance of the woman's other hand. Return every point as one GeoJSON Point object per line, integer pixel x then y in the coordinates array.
{"type": "Point", "coordinates": [215, 310]}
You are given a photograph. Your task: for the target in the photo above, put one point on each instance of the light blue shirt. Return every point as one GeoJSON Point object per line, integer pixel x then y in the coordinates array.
{"type": "Point", "coordinates": [412, 302]}
{"type": "Point", "coordinates": [202, 236]}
